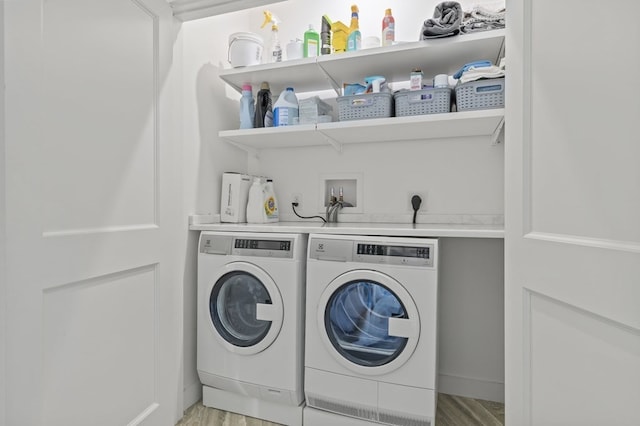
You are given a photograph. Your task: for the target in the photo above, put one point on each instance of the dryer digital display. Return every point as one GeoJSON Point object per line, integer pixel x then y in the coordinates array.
{"type": "Point", "coordinates": [282, 245]}
{"type": "Point", "coordinates": [400, 251]}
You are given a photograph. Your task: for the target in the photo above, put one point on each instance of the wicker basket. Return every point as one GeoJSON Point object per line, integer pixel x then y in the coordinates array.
{"type": "Point", "coordinates": [366, 105]}
{"type": "Point", "coordinates": [427, 101]}
{"type": "Point", "coordinates": [480, 94]}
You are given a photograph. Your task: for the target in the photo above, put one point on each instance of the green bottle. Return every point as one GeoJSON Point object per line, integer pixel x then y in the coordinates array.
{"type": "Point", "coordinates": [311, 43]}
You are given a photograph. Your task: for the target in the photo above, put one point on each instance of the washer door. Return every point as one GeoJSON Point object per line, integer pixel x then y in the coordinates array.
{"type": "Point", "coordinates": [245, 308]}
{"type": "Point", "coordinates": [370, 322]}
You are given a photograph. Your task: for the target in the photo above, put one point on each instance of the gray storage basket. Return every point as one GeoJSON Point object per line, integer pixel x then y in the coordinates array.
{"type": "Point", "coordinates": [480, 94]}
{"type": "Point", "coordinates": [427, 101]}
{"type": "Point", "coordinates": [366, 105]}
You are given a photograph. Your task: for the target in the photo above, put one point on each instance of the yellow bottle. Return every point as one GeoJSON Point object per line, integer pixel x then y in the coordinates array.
{"type": "Point", "coordinates": [340, 34]}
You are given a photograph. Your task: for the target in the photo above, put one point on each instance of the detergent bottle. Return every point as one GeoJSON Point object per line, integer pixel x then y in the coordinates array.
{"type": "Point", "coordinates": [270, 203]}
{"type": "Point", "coordinates": [275, 49]}
{"type": "Point", "coordinates": [354, 40]}
{"type": "Point", "coordinates": [286, 108]}
{"type": "Point", "coordinates": [255, 209]}
{"type": "Point", "coordinates": [247, 107]}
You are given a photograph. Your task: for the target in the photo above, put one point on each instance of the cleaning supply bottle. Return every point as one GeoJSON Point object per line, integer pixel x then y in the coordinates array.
{"type": "Point", "coordinates": [255, 208]}
{"type": "Point", "coordinates": [270, 203]}
{"type": "Point", "coordinates": [275, 49]}
{"type": "Point", "coordinates": [247, 108]}
{"type": "Point", "coordinates": [325, 36]}
{"type": "Point", "coordinates": [340, 35]}
{"type": "Point", "coordinates": [354, 40]}
{"type": "Point", "coordinates": [388, 28]}
{"type": "Point", "coordinates": [311, 43]}
{"type": "Point", "coordinates": [286, 108]}
{"type": "Point", "coordinates": [264, 114]}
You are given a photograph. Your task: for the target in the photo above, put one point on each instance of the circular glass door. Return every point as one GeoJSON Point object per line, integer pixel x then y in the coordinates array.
{"type": "Point", "coordinates": [245, 308]}
{"type": "Point", "coordinates": [371, 324]}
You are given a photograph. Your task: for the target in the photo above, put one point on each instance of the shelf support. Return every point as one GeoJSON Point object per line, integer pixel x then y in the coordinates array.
{"type": "Point", "coordinates": [336, 86]}
{"type": "Point", "coordinates": [495, 137]}
{"type": "Point", "coordinates": [334, 143]}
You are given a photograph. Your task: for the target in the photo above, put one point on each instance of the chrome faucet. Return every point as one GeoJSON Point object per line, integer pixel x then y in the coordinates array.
{"type": "Point", "coordinates": [334, 205]}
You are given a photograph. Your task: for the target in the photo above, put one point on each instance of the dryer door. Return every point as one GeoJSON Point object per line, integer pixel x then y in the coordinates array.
{"type": "Point", "coordinates": [245, 308]}
{"type": "Point", "coordinates": [370, 322]}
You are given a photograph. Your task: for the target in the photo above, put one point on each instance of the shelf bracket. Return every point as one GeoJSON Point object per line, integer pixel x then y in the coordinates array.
{"type": "Point", "coordinates": [495, 137]}
{"type": "Point", "coordinates": [336, 86]}
{"type": "Point", "coordinates": [334, 143]}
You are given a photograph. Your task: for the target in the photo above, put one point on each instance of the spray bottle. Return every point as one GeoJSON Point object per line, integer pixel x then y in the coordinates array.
{"type": "Point", "coordinates": [354, 41]}
{"type": "Point", "coordinates": [275, 50]}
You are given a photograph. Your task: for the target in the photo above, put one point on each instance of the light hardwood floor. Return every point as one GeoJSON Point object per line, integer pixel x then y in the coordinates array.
{"type": "Point", "coordinates": [452, 411]}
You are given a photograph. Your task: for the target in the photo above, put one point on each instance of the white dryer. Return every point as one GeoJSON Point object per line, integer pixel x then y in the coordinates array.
{"type": "Point", "coordinates": [371, 330]}
{"type": "Point", "coordinates": [251, 323]}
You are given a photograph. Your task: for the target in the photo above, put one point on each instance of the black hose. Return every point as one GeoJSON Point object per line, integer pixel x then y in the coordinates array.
{"type": "Point", "coordinates": [293, 207]}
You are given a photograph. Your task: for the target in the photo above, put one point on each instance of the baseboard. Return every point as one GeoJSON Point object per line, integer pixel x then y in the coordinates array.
{"type": "Point", "coordinates": [471, 388]}
{"type": "Point", "coordinates": [192, 394]}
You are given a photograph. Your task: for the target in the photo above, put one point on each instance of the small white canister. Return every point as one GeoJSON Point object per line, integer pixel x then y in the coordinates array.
{"type": "Point", "coordinates": [245, 49]}
{"type": "Point", "coordinates": [295, 49]}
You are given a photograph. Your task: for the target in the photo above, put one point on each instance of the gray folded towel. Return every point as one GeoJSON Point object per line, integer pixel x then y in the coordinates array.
{"type": "Point", "coordinates": [446, 21]}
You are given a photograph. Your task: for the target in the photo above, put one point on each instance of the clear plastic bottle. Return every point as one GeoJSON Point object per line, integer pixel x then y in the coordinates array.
{"type": "Point", "coordinates": [275, 49]}
{"type": "Point", "coordinates": [388, 28]}
{"type": "Point", "coordinates": [247, 107]}
{"type": "Point", "coordinates": [311, 43]}
{"type": "Point", "coordinates": [286, 108]}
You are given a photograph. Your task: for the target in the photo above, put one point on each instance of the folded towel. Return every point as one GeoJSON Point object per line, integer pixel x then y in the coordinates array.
{"type": "Point", "coordinates": [483, 19]}
{"type": "Point", "coordinates": [478, 73]}
{"type": "Point", "coordinates": [446, 21]}
{"type": "Point", "coordinates": [475, 64]}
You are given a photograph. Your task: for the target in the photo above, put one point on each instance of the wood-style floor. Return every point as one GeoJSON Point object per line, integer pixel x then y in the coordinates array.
{"type": "Point", "coordinates": [452, 411]}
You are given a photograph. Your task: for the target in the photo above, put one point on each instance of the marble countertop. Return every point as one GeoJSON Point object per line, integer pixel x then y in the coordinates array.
{"type": "Point", "coordinates": [384, 229]}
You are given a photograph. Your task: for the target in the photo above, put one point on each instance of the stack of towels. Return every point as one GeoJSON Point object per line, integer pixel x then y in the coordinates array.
{"type": "Point", "coordinates": [449, 20]}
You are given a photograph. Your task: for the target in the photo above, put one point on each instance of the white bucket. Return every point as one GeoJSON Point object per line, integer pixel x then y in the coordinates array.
{"type": "Point", "coordinates": [245, 49]}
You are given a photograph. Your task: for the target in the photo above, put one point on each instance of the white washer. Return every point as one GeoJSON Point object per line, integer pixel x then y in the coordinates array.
{"type": "Point", "coordinates": [371, 330]}
{"type": "Point", "coordinates": [251, 323]}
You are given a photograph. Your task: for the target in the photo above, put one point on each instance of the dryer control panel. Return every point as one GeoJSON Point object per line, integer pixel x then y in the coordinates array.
{"type": "Point", "coordinates": [238, 246]}
{"type": "Point", "coordinates": [281, 248]}
{"type": "Point", "coordinates": [372, 252]}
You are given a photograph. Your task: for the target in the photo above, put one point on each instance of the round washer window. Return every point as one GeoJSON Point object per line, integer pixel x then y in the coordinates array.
{"type": "Point", "coordinates": [232, 306]}
{"type": "Point", "coordinates": [356, 320]}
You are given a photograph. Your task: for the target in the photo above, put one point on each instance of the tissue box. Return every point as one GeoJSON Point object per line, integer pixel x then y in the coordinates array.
{"type": "Point", "coordinates": [234, 197]}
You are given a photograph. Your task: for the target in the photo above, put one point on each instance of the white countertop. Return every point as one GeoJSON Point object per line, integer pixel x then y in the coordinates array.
{"type": "Point", "coordinates": [387, 229]}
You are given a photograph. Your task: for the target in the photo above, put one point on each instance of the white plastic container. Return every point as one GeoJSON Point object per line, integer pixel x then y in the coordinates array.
{"type": "Point", "coordinates": [255, 206]}
{"type": "Point", "coordinates": [285, 110]}
{"type": "Point", "coordinates": [245, 49]}
{"type": "Point", "coordinates": [270, 203]}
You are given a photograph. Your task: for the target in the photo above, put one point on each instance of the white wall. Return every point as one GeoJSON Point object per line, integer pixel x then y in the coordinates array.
{"type": "Point", "coordinates": [471, 318]}
{"type": "Point", "coordinates": [3, 238]}
{"type": "Point", "coordinates": [463, 180]}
